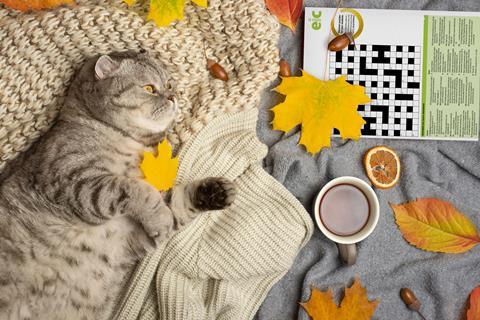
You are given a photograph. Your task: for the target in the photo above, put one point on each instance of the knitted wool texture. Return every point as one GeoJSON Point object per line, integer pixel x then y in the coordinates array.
{"type": "Point", "coordinates": [222, 265]}
{"type": "Point", "coordinates": [40, 52]}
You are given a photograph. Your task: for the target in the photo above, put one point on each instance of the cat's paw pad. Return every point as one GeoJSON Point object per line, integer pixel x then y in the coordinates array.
{"type": "Point", "coordinates": [214, 194]}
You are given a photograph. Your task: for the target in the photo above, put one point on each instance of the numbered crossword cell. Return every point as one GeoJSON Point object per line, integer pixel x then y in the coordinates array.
{"type": "Point", "coordinates": [391, 76]}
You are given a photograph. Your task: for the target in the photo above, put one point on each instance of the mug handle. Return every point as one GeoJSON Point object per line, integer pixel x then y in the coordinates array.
{"type": "Point", "coordinates": [348, 253]}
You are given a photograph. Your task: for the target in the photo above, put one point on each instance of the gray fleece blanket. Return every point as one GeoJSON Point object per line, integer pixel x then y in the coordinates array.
{"type": "Point", "coordinates": [386, 263]}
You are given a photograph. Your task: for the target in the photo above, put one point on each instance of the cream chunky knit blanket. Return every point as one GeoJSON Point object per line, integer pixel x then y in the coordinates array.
{"type": "Point", "coordinates": [222, 265]}
{"type": "Point", "coordinates": [40, 52]}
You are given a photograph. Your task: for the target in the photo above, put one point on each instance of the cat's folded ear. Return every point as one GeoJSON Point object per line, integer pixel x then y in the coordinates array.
{"type": "Point", "coordinates": [104, 67]}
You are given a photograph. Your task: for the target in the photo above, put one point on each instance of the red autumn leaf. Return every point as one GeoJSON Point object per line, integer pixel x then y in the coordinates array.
{"type": "Point", "coordinates": [473, 312]}
{"type": "Point", "coordinates": [287, 11]}
{"type": "Point", "coordinates": [28, 5]}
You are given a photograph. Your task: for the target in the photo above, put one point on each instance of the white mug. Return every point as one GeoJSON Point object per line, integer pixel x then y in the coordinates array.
{"type": "Point", "coordinates": [347, 244]}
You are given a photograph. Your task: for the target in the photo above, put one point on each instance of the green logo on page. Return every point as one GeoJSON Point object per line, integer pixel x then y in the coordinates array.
{"type": "Point", "coordinates": [316, 20]}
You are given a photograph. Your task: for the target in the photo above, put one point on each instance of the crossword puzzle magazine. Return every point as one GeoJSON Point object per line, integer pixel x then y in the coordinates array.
{"type": "Point", "coordinates": [420, 68]}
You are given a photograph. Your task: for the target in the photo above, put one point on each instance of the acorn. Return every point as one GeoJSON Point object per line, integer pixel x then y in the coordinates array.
{"type": "Point", "coordinates": [284, 68]}
{"type": "Point", "coordinates": [410, 300]}
{"type": "Point", "coordinates": [340, 42]}
{"type": "Point", "coordinates": [216, 70]}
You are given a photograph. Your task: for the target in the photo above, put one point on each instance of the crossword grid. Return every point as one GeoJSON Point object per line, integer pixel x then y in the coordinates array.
{"type": "Point", "coordinates": [391, 76]}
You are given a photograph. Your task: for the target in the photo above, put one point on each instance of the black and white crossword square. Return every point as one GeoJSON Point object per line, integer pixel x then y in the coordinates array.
{"type": "Point", "coordinates": [391, 76]}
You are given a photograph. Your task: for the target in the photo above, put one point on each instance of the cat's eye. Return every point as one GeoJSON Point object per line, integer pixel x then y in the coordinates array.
{"type": "Point", "coordinates": [169, 86]}
{"type": "Point", "coordinates": [150, 89]}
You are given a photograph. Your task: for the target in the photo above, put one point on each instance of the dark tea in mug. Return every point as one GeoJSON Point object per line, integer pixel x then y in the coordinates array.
{"type": "Point", "coordinates": [344, 210]}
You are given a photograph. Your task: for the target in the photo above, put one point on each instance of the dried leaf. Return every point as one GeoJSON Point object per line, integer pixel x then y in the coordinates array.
{"type": "Point", "coordinates": [355, 304]}
{"type": "Point", "coordinates": [287, 11]}
{"type": "Point", "coordinates": [201, 3]}
{"type": "Point", "coordinates": [319, 106]}
{"type": "Point", "coordinates": [320, 305]}
{"type": "Point", "coordinates": [164, 12]}
{"type": "Point", "coordinates": [435, 225]}
{"type": "Point", "coordinates": [473, 312]}
{"type": "Point", "coordinates": [29, 5]}
{"type": "Point", "coordinates": [160, 171]}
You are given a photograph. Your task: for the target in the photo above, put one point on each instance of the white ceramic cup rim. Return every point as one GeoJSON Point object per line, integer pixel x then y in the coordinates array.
{"type": "Point", "coordinates": [374, 210]}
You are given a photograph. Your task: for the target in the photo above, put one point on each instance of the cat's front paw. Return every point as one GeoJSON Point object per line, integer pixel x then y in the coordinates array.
{"type": "Point", "coordinates": [214, 194]}
{"type": "Point", "coordinates": [158, 225]}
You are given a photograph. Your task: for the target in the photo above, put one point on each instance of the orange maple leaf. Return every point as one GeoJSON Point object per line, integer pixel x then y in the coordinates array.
{"type": "Point", "coordinates": [29, 5]}
{"type": "Point", "coordinates": [287, 11]}
{"type": "Point", "coordinates": [473, 312]}
{"type": "Point", "coordinates": [355, 304]}
{"type": "Point", "coordinates": [435, 225]}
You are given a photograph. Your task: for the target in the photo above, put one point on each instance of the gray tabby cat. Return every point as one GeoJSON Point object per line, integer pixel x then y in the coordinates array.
{"type": "Point", "coordinates": [75, 213]}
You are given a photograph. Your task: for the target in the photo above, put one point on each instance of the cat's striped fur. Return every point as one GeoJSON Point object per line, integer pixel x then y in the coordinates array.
{"type": "Point", "coordinates": [75, 213]}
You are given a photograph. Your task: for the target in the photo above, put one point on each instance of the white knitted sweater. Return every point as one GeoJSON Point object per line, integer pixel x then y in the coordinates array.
{"type": "Point", "coordinates": [222, 265]}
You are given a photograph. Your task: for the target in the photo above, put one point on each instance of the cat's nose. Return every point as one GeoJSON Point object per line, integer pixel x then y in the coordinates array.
{"type": "Point", "coordinates": [171, 98]}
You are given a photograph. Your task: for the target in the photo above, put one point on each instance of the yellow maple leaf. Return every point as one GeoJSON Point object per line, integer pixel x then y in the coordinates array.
{"type": "Point", "coordinates": [319, 106]}
{"type": "Point", "coordinates": [435, 225]}
{"type": "Point", "coordinates": [28, 5]}
{"type": "Point", "coordinates": [164, 12]}
{"type": "Point", "coordinates": [355, 304]}
{"type": "Point", "coordinates": [160, 171]}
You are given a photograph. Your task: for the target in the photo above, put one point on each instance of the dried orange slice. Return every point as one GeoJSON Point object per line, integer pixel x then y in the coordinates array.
{"type": "Point", "coordinates": [382, 165]}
